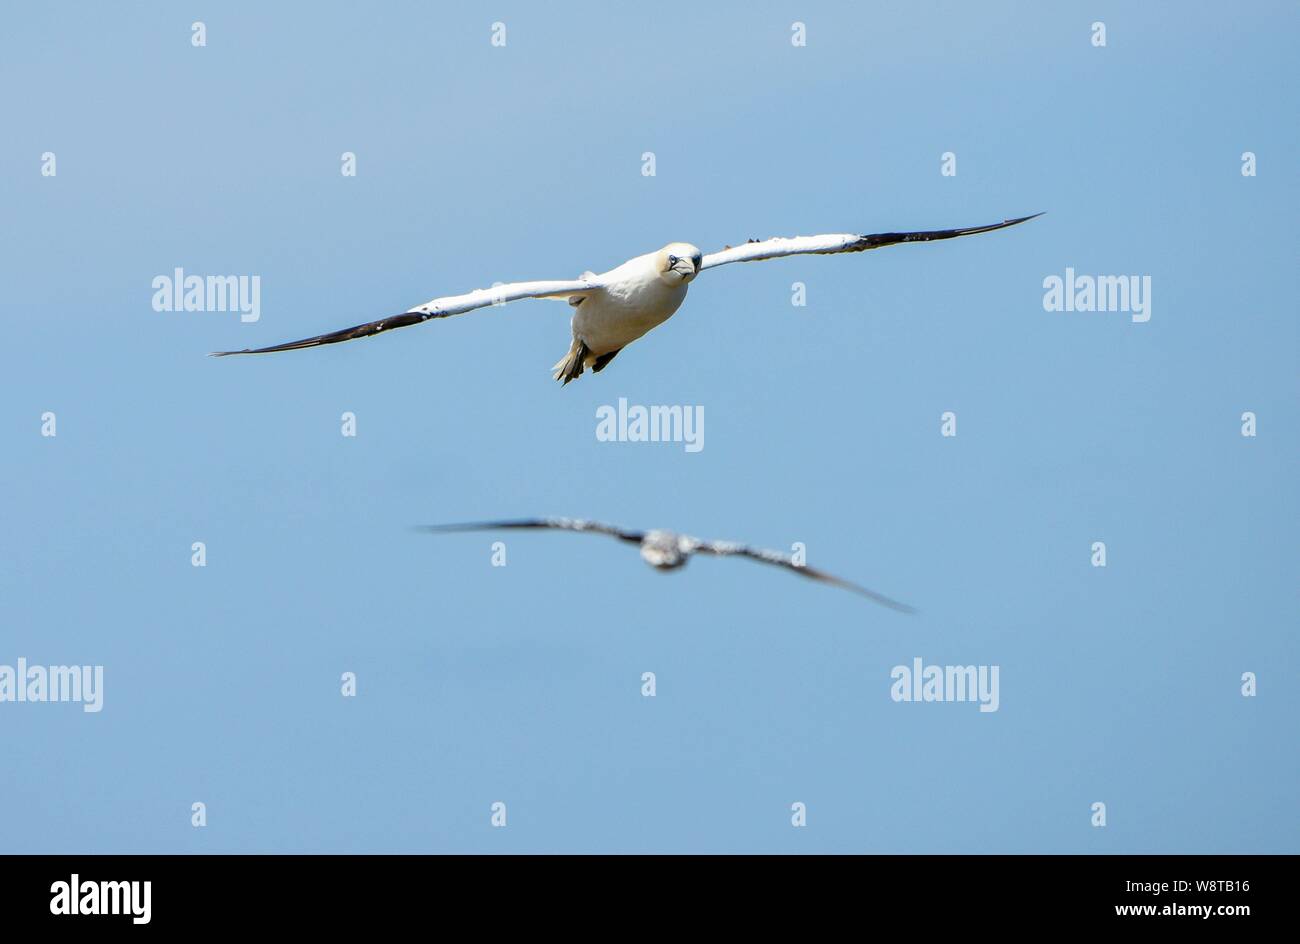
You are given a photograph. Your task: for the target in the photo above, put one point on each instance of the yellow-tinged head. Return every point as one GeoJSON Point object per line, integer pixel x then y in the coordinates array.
{"type": "Point", "coordinates": [678, 263]}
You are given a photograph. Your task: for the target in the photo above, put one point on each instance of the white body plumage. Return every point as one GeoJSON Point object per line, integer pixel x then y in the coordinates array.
{"type": "Point", "coordinates": [630, 300]}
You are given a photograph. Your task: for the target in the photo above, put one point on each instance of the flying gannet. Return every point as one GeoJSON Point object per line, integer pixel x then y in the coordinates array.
{"type": "Point", "coordinates": [615, 308]}
{"type": "Point", "coordinates": [667, 550]}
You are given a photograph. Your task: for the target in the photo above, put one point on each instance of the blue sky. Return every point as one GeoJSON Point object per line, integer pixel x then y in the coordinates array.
{"type": "Point", "coordinates": [522, 683]}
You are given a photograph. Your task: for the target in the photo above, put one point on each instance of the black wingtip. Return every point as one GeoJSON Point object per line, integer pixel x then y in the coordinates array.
{"type": "Point", "coordinates": [873, 596]}
{"type": "Point", "coordinates": [887, 602]}
{"type": "Point", "coordinates": [1014, 221]}
{"type": "Point", "coordinates": [448, 528]}
{"type": "Point", "coordinates": [478, 526]}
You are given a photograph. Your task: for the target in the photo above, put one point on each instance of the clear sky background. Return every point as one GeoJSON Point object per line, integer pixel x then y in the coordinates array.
{"type": "Point", "coordinates": [522, 684]}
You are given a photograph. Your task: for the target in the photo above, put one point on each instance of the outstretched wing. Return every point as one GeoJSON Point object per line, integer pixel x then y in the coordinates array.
{"type": "Point", "coordinates": [780, 246]}
{"type": "Point", "coordinates": [438, 308]}
{"type": "Point", "coordinates": [557, 524]}
{"type": "Point", "coordinates": [730, 549]}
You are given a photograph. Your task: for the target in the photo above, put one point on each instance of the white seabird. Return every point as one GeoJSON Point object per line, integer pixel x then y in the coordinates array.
{"type": "Point", "coordinates": [667, 550]}
{"type": "Point", "coordinates": [615, 308]}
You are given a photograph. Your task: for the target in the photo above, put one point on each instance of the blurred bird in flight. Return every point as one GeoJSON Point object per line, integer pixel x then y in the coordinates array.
{"type": "Point", "coordinates": [667, 550]}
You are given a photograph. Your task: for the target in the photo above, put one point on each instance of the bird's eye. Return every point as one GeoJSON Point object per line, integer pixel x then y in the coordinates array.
{"type": "Point", "coordinates": [672, 261]}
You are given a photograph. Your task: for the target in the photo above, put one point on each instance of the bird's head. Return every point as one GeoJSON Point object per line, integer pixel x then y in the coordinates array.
{"type": "Point", "coordinates": [663, 550]}
{"type": "Point", "coordinates": [679, 263]}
